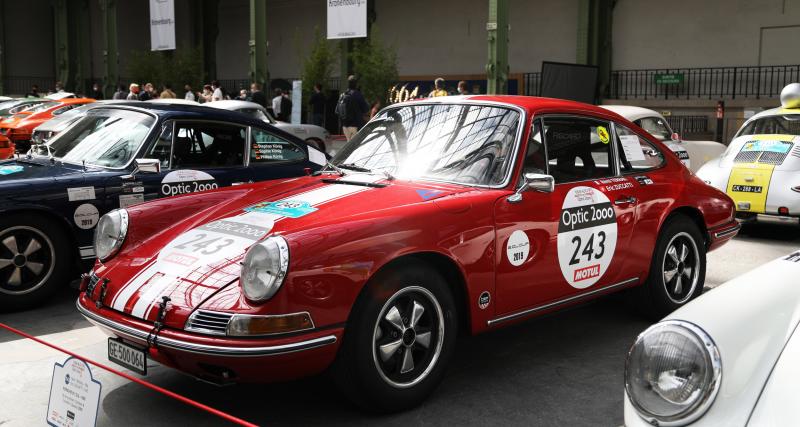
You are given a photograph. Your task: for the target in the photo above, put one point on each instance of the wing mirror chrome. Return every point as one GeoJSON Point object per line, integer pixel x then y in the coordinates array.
{"type": "Point", "coordinates": [148, 165]}
{"type": "Point", "coordinates": [536, 182]}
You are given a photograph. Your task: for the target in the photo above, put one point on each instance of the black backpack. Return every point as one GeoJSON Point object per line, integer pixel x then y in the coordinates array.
{"type": "Point", "coordinates": [345, 108]}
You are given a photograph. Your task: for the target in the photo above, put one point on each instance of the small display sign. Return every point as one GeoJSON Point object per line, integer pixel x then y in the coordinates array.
{"type": "Point", "coordinates": [669, 78]}
{"type": "Point", "coordinates": [74, 395]}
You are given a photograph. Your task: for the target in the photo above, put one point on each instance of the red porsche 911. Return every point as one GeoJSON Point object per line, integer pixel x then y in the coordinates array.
{"type": "Point", "coordinates": [467, 213]}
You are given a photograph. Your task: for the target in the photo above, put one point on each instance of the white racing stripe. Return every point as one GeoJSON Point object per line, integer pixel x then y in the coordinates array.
{"type": "Point", "coordinates": [174, 264]}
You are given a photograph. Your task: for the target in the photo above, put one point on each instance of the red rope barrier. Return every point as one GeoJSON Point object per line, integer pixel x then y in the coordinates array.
{"type": "Point", "coordinates": [183, 399]}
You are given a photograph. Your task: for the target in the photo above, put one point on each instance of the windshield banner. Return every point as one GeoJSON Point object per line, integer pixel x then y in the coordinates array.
{"type": "Point", "coordinates": [773, 146]}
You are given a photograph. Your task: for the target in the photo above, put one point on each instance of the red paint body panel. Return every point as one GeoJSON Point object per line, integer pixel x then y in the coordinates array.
{"type": "Point", "coordinates": [353, 231]}
{"type": "Point", "coordinates": [21, 125]}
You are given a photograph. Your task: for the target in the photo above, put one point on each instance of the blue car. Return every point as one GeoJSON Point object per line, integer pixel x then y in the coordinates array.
{"type": "Point", "coordinates": [117, 156]}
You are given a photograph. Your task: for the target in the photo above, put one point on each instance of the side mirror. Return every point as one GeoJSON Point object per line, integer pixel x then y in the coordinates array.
{"type": "Point", "coordinates": [534, 181]}
{"type": "Point", "coordinates": [675, 136]}
{"type": "Point", "coordinates": [148, 165]}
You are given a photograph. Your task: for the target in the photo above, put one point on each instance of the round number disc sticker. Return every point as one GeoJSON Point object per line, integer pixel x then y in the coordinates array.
{"type": "Point", "coordinates": [517, 248]}
{"type": "Point", "coordinates": [587, 236]}
{"type": "Point", "coordinates": [86, 216]}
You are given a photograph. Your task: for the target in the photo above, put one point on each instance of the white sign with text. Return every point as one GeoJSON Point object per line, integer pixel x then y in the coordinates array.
{"type": "Point", "coordinates": [347, 19]}
{"type": "Point", "coordinates": [74, 395]}
{"type": "Point", "coordinates": [162, 24]}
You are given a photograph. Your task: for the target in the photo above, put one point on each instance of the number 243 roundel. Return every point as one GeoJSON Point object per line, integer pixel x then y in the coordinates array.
{"type": "Point", "coordinates": [587, 236]}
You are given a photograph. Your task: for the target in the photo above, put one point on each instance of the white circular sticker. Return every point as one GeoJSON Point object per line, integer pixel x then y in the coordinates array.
{"type": "Point", "coordinates": [86, 216]}
{"type": "Point", "coordinates": [518, 248]}
{"type": "Point", "coordinates": [186, 181]}
{"type": "Point", "coordinates": [587, 236]}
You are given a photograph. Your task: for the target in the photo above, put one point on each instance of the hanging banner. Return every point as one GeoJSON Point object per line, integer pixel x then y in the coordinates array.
{"type": "Point", "coordinates": [347, 19]}
{"type": "Point", "coordinates": [297, 101]}
{"type": "Point", "coordinates": [162, 24]}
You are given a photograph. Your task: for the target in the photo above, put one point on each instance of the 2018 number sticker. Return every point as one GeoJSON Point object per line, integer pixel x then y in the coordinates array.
{"type": "Point", "coordinates": [587, 236]}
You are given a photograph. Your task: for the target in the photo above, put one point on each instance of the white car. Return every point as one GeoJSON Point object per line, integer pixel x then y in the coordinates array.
{"type": "Point", "coordinates": [760, 170]}
{"type": "Point", "coordinates": [315, 136]}
{"type": "Point", "coordinates": [47, 130]}
{"type": "Point", "coordinates": [693, 154]}
{"type": "Point", "coordinates": [728, 358]}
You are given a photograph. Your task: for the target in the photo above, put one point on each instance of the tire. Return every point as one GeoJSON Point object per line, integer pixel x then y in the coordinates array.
{"type": "Point", "coordinates": [34, 260]}
{"type": "Point", "coordinates": [677, 270]}
{"type": "Point", "coordinates": [373, 368]}
{"type": "Point", "coordinates": [316, 143]}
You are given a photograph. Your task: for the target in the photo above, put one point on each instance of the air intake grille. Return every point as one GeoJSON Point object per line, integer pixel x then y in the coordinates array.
{"type": "Point", "coordinates": [747, 157]}
{"type": "Point", "coordinates": [765, 157]}
{"type": "Point", "coordinates": [208, 322]}
{"type": "Point", "coordinates": [771, 158]}
{"type": "Point", "coordinates": [796, 151]}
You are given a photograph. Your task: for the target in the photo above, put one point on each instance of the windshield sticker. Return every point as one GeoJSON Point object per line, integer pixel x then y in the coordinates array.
{"type": "Point", "coordinates": [772, 146]}
{"type": "Point", "coordinates": [126, 200]}
{"type": "Point", "coordinates": [132, 187]}
{"type": "Point", "coordinates": [287, 208]}
{"type": "Point", "coordinates": [186, 181]}
{"type": "Point", "coordinates": [602, 133]}
{"type": "Point", "coordinates": [316, 156]}
{"type": "Point", "coordinates": [429, 194]}
{"type": "Point", "coordinates": [632, 148]}
{"type": "Point", "coordinates": [86, 216]}
{"type": "Point", "coordinates": [268, 151]}
{"type": "Point", "coordinates": [8, 170]}
{"type": "Point", "coordinates": [80, 193]}
{"type": "Point", "coordinates": [587, 236]}
{"type": "Point", "coordinates": [518, 248]}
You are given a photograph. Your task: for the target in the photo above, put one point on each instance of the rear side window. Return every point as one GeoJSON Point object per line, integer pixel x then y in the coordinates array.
{"type": "Point", "coordinates": [636, 154]}
{"type": "Point", "coordinates": [208, 145]}
{"type": "Point", "coordinates": [578, 149]}
{"type": "Point", "coordinates": [268, 148]}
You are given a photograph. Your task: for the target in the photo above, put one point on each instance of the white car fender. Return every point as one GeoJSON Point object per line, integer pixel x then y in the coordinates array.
{"type": "Point", "coordinates": [777, 405]}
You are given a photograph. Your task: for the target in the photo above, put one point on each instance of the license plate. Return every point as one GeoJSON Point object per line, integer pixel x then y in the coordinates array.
{"type": "Point", "coordinates": [746, 188]}
{"type": "Point", "coordinates": [128, 356]}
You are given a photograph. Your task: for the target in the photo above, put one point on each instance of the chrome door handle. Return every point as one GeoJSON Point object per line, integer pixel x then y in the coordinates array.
{"type": "Point", "coordinates": [625, 201]}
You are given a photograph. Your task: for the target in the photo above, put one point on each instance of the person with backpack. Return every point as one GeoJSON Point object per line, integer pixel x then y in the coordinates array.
{"type": "Point", "coordinates": [351, 108]}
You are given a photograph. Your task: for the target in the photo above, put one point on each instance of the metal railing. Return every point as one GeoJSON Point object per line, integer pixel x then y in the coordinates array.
{"type": "Point", "coordinates": [532, 82]}
{"type": "Point", "coordinates": [22, 85]}
{"type": "Point", "coordinates": [688, 124]}
{"type": "Point", "coordinates": [697, 83]}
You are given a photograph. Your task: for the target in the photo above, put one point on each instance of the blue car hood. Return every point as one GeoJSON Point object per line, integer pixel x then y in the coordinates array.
{"type": "Point", "coordinates": [28, 169]}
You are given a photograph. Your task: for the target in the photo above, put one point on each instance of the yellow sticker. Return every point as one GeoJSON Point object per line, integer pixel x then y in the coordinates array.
{"type": "Point", "coordinates": [602, 133]}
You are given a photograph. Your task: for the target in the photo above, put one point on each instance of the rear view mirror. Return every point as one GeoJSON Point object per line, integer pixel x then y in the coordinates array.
{"type": "Point", "coordinates": [148, 165]}
{"type": "Point", "coordinates": [536, 182]}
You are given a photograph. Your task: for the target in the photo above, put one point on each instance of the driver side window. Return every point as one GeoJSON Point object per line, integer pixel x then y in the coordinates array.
{"type": "Point", "coordinates": [578, 149]}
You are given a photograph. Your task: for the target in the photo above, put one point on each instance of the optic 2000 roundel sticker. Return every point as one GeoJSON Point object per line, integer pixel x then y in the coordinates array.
{"type": "Point", "coordinates": [587, 236]}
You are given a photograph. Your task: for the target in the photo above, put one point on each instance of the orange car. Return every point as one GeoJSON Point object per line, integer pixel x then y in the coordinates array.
{"type": "Point", "coordinates": [6, 148]}
{"type": "Point", "coordinates": [19, 127]}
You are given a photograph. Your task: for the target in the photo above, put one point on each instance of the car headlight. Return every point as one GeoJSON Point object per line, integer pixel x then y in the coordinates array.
{"type": "Point", "coordinates": [264, 268]}
{"type": "Point", "coordinates": [110, 233]}
{"type": "Point", "coordinates": [673, 373]}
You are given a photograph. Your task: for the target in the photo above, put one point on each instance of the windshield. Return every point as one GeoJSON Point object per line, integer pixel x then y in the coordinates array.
{"type": "Point", "coordinates": [656, 126]}
{"type": "Point", "coordinates": [788, 124]}
{"type": "Point", "coordinates": [104, 137]}
{"type": "Point", "coordinates": [466, 144]}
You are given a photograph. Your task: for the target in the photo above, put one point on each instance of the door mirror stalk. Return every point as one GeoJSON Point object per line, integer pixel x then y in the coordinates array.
{"type": "Point", "coordinates": [533, 181]}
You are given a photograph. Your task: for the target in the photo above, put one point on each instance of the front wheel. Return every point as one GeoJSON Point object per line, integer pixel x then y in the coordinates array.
{"type": "Point", "coordinates": [677, 270]}
{"type": "Point", "coordinates": [34, 260]}
{"type": "Point", "coordinates": [399, 339]}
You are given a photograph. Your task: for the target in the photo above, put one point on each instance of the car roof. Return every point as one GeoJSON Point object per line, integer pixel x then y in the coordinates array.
{"type": "Point", "coordinates": [75, 100]}
{"type": "Point", "coordinates": [198, 111]}
{"type": "Point", "coordinates": [778, 111]}
{"type": "Point", "coordinates": [532, 104]}
{"type": "Point", "coordinates": [233, 104]}
{"type": "Point", "coordinates": [632, 112]}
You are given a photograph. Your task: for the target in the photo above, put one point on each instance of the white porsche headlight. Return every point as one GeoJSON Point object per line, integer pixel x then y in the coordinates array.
{"type": "Point", "coordinates": [110, 233]}
{"type": "Point", "coordinates": [672, 373]}
{"type": "Point", "coordinates": [264, 268]}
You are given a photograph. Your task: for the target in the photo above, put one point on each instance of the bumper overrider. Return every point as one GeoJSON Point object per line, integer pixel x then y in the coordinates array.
{"type": "Point", "coordinates": [221, 359]}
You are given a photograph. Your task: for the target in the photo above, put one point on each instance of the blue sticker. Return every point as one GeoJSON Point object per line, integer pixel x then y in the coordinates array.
{"type": "Point", "coordinates": [772, 146]}
{"type": "Point", "coordinates": [288, 208]}
{"type": "Point", "coordinates": [8, 170]}
{"type": "Point", "coordinates": [428, 194]}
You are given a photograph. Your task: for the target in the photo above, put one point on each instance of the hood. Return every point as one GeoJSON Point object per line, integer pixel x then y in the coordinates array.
{"type": "Point", "coordinates": [750, 319]}
{"type": "Point", "coordinates": [23, 170]}
{"type": "Point", "coordinates": [190, 260]}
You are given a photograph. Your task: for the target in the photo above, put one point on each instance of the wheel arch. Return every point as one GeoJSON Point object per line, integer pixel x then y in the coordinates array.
{"type": "Point", "coordinates": [695, 215]}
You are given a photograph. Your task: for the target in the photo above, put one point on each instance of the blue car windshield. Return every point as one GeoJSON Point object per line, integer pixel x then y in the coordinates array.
{"type": "Point", "coordinates": [461, 143]}
{"type": "Point", "coordinates": [105, 137]}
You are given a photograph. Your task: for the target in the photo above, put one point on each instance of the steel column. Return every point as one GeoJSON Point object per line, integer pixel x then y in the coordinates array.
{"type": "Point", "coordinates": [594, 38]}
{"type": "Point", "coordinates": [497, 33]}
{"type": "Point", "coordinates": [62, 44]}
{"type": "Point", "coordinates": [108, 11]}
{"type": "Point", "coordinates": [258, 42]}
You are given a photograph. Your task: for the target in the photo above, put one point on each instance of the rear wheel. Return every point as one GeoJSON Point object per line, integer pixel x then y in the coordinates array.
{"type": "Point", "coordinates": [399, 339]}
{"type": "Point", "coordinates": [677, 270]}
{"type": "Point", "coordinates": [34, 260]}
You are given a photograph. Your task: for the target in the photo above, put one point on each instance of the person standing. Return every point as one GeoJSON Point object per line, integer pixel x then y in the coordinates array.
{"type": "Point", "coordinates": [168, 93]}
{"type": "Point", "coordinates": [218, 95]}
{"type": "Point", "coordinates": [189, 94]}
{"type": "Point", "coordinates": [257, 96]}
{"type": "Point", "coordinates": [276, 102]}
{"type": "Point", "coordinates": [133, 95]}
{"type": "Point", "coordinates": [97, 93]}
{"type": "Point", "coordinates": [438, 88]}
{"type": "Point", "coordinates": [462, 88]}
{"type": "Point", "coordinates": [286, 108]}
{"type": "Point", "coordinates": [146, 93]}
{"type": "Point", "coordinates": [351, 108]}
{"type": "Point", "coordinates": [34, 93]}
{"type": "Point", "coordinates": [207, 94]}
{"type": "Point", "coordinates": [120, 93]}
{"type": "Point", "coordinates": [317, 103]}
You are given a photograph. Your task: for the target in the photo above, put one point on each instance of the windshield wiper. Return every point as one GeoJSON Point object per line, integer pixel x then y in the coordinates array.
{"type": "Point", "coordinates": [355, 167]}
{"type": "Point", "coordinates": [330, 165]}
